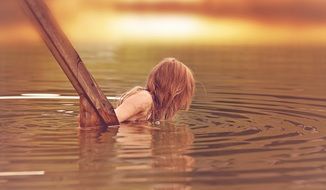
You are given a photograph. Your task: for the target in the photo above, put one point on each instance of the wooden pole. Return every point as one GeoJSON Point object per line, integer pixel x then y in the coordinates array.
{"type": "Point", "coordinates": [94, 107]}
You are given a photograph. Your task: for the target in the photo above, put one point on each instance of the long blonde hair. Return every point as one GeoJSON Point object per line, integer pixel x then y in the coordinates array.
{"type": "Point", "coordinates": [172, 86]}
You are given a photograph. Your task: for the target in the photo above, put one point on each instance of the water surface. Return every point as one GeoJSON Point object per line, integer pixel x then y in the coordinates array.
{"type": "Point", "coordinates": [257, 121]}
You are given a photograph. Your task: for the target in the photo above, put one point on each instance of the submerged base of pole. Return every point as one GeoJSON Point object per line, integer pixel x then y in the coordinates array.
{"type": "Point", "coordinates": [88, 117]}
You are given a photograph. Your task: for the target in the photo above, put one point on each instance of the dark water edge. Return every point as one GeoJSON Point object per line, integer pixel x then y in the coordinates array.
{"type": "Point", "coordinates": [257, 121]}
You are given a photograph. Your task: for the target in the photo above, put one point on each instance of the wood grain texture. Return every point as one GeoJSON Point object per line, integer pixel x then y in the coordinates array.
{"type": "Point", "coordinates": [71, 64]}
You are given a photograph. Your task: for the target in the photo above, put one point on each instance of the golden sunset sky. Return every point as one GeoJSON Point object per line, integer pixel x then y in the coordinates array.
{"type": "Point", "coordinates": [176, 21]}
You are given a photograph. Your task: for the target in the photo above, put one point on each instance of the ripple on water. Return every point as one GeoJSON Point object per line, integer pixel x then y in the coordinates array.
{"type": "Point", "coordinates": [246, 139]}
{"type": "Point", "coordinates": [260, 131]}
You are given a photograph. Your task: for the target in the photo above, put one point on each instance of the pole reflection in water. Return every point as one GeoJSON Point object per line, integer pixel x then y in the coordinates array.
{"type": "Point", "coordinates": [136, 155]}
{"type": "Point", "coordinates": [96, 154]}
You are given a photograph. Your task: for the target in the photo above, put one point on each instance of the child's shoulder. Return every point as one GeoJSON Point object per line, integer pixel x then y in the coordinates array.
{"type": "Point", "coordinates": [141, 96]}
{"type": "Point", "coordinates": [144, 96]}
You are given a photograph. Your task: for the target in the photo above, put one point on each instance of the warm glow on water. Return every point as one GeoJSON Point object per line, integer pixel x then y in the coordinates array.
{"type": "Point", "coordinates": [177, 28]}
{"type": "Point", "coordinates": [186, 28]}
{"type": "Point", "coordinates": [157, 26]}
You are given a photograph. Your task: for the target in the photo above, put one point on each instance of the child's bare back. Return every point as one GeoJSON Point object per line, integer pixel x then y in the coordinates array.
{"type": "Point", "coordinates": [169, 88]}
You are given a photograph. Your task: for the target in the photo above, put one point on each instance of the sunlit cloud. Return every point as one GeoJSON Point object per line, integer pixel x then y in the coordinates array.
{"type": "Point", "coordinates": [177, 21]}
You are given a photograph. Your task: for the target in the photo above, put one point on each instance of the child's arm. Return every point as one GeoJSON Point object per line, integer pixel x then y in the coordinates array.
{"type": "Point", "coordinates": [133, 105]}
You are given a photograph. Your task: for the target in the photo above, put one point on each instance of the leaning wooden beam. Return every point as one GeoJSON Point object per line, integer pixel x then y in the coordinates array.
{"type": "Point", "coordinates": [92, 98]}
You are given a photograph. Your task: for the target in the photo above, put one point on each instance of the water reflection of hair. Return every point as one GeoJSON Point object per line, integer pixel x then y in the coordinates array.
{"type": "Point", "coordinates": [170, 145]}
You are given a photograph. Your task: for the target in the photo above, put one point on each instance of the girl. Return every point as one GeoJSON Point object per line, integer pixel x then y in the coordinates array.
{"type": "Point", "coordinates": [169, 88]}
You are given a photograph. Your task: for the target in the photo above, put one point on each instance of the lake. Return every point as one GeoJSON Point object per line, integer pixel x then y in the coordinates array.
{"type": "Point", "coordinates": [258, 120]}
